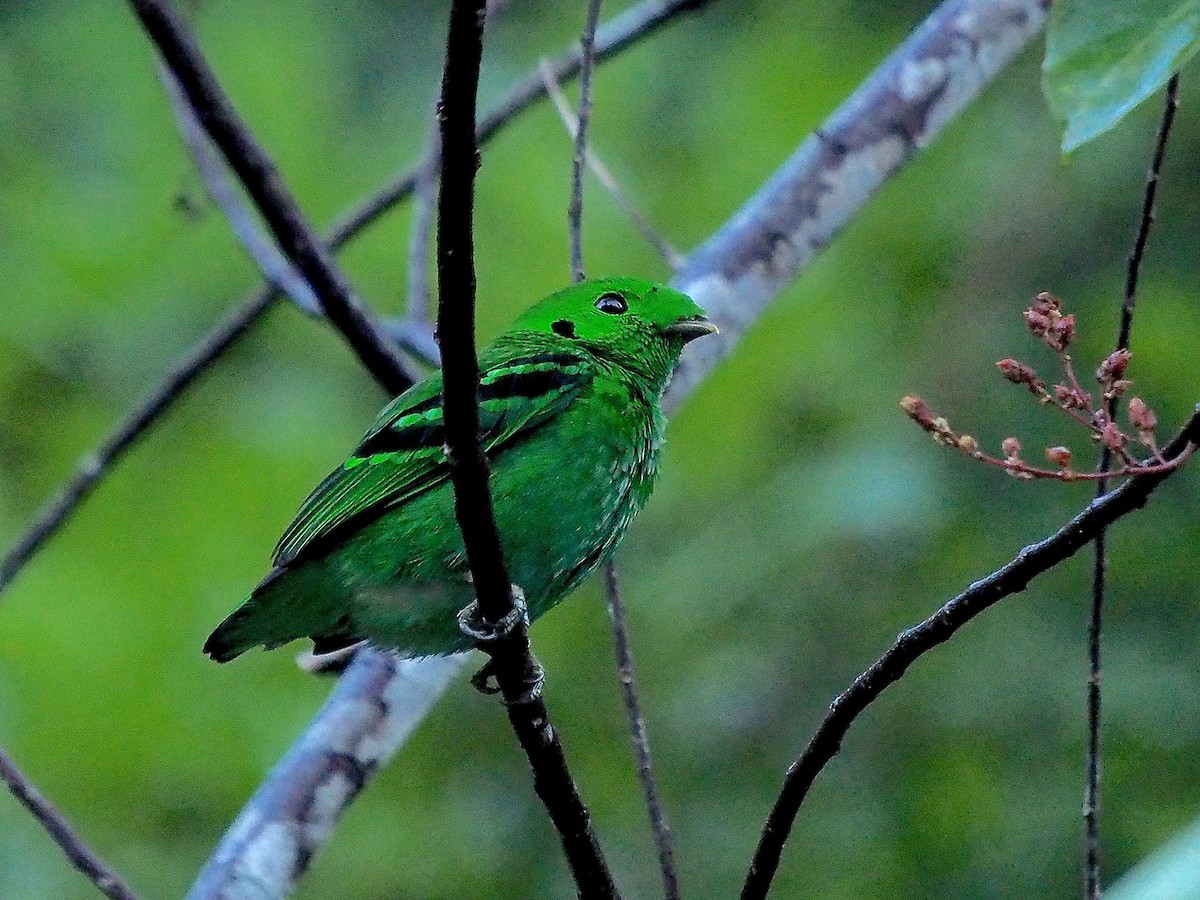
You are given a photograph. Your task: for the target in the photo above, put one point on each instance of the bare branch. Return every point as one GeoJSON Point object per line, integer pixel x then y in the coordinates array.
{"type": "Point", "coordinates": [1010, 579]}
{"type": "Point", "coordinates": [587, 48]}
{"type": "Point", "coordinates": [258, 175]}
{"type": "Point", "coordinates": [637, 728]}
{"type": "Point", "coordinates": [962, 46]}
{"type": "Point", "coordinates": [456, 311]}
{"type": "Point", "coordinates": [80, 854]}
{"type": "Point", "coordinates": [1091, 788]}
{"type": "Point", "coordinates": [516, 671]}
{"type": "Point", "coordinates": [898, 111]}
{"type": "Point", "coordinates": [673, 257]}
{"type": "Point", "coordinates": [578, 127]}
{"type": "Point", "coordinates": [376, 705]}
{"type": "Point", "coordinates": [623, 32]}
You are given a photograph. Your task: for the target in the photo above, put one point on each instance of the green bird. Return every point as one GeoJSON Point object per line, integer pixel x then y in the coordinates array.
{"type": "Point", "coordinates": [570, 420]}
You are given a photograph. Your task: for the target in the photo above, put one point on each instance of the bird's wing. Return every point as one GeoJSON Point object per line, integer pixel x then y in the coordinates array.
{"type": "Point", "coordinates": [404, 454]}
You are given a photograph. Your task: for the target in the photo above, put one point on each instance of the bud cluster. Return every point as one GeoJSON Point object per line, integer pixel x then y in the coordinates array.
{"type": "Point", "coordinates": [1047, 322]}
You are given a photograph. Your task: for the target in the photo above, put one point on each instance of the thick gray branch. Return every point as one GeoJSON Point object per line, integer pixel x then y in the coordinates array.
{"type": "Point", "coordinates": [931, 78]}
{"type": "Point", "coordinates": [376, 705]}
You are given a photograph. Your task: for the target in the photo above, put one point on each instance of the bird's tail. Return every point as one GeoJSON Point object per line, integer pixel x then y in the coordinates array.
{"type": "Point", "coordinates": [287, 604]}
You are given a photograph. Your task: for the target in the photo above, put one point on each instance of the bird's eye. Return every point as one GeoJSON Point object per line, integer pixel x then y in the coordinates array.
{"type": "Point", "coordinates": [612, 304]}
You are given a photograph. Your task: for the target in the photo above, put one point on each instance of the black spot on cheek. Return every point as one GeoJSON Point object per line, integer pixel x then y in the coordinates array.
{"type": "Point", "coordinates": [563, 327]}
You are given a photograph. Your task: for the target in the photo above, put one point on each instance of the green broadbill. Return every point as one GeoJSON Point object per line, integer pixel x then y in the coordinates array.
{"type": "Point", "coordinates": [570, 420]}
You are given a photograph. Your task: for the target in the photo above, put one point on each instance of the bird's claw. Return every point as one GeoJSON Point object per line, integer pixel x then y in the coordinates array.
{"type": "Point", "coordinates": [483, 631]}
{"type": "Point", "coordinates": [483, 681]}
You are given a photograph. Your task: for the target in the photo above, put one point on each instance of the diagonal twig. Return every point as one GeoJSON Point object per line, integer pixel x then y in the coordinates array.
{"type": "Point", "coordinates": [623, 32]}
{"type": "Point", "coordinates": [1091, 788]}
{"type": "Point", "coordinates": [82, 856]}
{"type": "Point", "coordinates": [257, 172]}
{"type": "Point", "coordinates": [933, 631]}
{"type": "Point", "coordinates": [672, 256]}
{"type": "Point", "coordinates": [964, 44]}
{"type": "Point", "coordinates": [515, 669]}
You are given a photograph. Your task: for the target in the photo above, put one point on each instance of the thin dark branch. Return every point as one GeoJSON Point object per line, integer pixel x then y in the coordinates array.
{"type": "Point", "coordinates": [637, 727]}
{"type": "Point", "coordinates": [1091, 788]}
{"type": "Point", "coordinates": [587, 47]}
{"type": "Point", "coordinates": [739, 271]}
{"type": "Point", "coordinates": [612, 590]}
{"type": "Point", "coordinates": [258, 175]}
{"type": "Point", "coordinates": [456, 310]}
{"type": "Point", "coordinates": [80, 854]}
{"type": "Point", "coordinates": [514, 666]}
{"type": "Point", "coordinates": [670, 255]}
{"type": "Point", "coordinates": [1010, 579]}
{"type": "Point", "coordinates": [1138, 252]}
{"type": "Point", "coordinates": [621, 33]}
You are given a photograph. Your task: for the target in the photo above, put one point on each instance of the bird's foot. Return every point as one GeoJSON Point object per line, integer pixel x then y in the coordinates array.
{"type": "Point", "coordinates": [486, 633]}
{"type": "Point", "coordinates": [483, 631]}
{"type": "Point", "coordinates": [535, 678]}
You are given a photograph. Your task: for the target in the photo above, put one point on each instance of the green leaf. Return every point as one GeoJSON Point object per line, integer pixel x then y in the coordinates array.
{"type": "Point", "coordinates": [1104, 57]}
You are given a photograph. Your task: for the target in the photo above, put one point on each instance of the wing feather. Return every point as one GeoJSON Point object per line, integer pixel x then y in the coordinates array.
{"type": "Point", "coordinates": [403, 454]}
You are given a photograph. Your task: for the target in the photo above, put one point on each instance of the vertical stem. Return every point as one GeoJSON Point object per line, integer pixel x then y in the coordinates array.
{"type": "Point", "coordinates": [637, 727]}
{"type": "Point", "coordinates": [1091, 788]}
{"type": "Point", "coordinates": [516, 671]}
{"type": "Point", "coordinates": [587, 46]}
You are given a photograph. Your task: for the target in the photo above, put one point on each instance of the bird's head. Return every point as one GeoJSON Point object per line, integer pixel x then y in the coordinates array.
{"type": "Point", "coordinates": [639, 325]}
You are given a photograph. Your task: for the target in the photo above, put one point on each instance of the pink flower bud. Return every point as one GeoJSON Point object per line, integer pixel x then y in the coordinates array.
{"type": "Point", "coordinates": [1141, 415]}
{"type": "Point", "coordinates": [1072, 398]}
{"type": "Point", "coordinates": [918, 410]}
{"type": "Point", "coordinates": [1038, 323]}
{"type": "Point", "coordinates": [1064, 331]}
{"type": "Point", "coordinates": [1046, 322]}
{"type": "Point", "coordinates": [1114, 367]}
{"type": "Point", "coordinates": [1019, 373]}
{"type": "Point", "coordinates": [1011, 447]}
{"type": "Point", "coordinates": [1060, 456]}
{"type": "Point", "coordinates": [1046, 304]}
{"type": "Point", "coordinates": [1113, 438]}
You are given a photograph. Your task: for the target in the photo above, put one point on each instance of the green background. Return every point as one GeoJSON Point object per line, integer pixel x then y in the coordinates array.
{"type": "Point", "coordinates": [800, 522]}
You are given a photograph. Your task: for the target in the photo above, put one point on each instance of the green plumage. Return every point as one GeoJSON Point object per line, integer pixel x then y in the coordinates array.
{"type": "Point", "coordinates": [569, 418]}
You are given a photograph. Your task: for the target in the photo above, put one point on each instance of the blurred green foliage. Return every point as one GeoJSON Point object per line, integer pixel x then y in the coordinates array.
{"type": "Point", "coordinates": [801, 521]}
